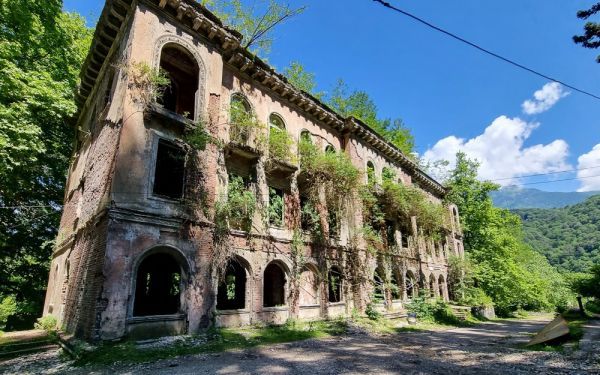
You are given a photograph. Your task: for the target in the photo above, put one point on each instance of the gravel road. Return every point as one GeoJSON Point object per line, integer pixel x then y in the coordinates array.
{"type": "Point", "coordinates": [488, 348]}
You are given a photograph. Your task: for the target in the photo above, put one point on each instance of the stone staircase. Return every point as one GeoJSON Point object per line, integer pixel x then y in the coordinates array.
{"type": "Point", "coordinates": [461, 312]}
{"type": "Point", "coordinates": [15, 344]}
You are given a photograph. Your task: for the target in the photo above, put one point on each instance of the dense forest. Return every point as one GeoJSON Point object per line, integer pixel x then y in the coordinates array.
{"type": "Point", "coordinates": [569, 237]}
{"type": "Point", "coordinates": [520, 197]}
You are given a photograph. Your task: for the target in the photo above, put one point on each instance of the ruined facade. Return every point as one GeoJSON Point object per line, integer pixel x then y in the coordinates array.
{"type": "Point", "coordinates": [138, 239]}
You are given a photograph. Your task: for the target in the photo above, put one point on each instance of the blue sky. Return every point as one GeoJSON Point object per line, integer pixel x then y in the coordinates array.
{"type": "Point", "coordinates": [442, 88]}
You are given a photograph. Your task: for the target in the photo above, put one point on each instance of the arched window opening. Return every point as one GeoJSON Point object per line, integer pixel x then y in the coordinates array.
{"type": "Point", "coordinates": [378, 286]}
{"type": "Point", "coordinates": [274, 286]}
{"type": "Point", "coordinates": [395, 287]}
{"type": "Point", "coordinates": [370, 173]}
{"type": "Point", "coordinates": [456, 221]}
{"type": "Point", "coordinates": [442, 287]}
{"type": "Point", "coordinates": [231, 294]}
{"type": "Point", "coordinates": [410, 285]}
{"type": "Point", "coordinates": [432, 288]}
{"type": "Point", "coordinates": [305, 136]}
{"type": "Point", "coordinates": [158, 286]}
{"type": "Point", "coordinates": [183, 71]}
{"type": "Point", "coordinates": [329, 149]}
{"type": "Point", "coordinates": [241, 119]}
{"type": "Point", "coordinates": [309, 287]}
{"type": "Point", "coordinates": [388, 175]}
{"type": "Point", "coordinates": [334, 279]}
{"type": "Point", "coordinates": [390, 229]}
{"type": "Point", "coordinates": [276, 122]}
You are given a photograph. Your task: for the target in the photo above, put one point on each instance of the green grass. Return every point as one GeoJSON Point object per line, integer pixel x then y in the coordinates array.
{"type": "Point", "coordinates": [217, 340]}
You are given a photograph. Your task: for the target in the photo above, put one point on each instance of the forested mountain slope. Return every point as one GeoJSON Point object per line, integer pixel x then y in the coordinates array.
{"type": "Point", "coordinates": [569, 237]}
{"type": "Point", "coordinates": [517, 197]}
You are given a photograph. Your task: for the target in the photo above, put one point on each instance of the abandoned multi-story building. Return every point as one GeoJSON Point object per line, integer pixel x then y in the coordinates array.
{"type": "Point", "coordinates": [144, 246]}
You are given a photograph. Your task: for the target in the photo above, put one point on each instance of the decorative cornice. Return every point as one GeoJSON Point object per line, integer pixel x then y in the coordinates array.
{"type": "Point", "coordinates": [200, 20]}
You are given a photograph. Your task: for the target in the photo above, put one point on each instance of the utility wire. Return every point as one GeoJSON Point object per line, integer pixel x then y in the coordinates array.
{"type": "Point", "coordinates": [484, 50]}
{"type": "Point", "coordinates": [545, 174]}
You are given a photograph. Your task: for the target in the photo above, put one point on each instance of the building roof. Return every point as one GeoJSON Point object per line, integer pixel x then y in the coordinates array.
{"type": "Point", "coordinates": [206, 25]}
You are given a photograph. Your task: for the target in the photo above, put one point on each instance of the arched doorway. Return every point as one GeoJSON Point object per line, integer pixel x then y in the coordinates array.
{"type": "Point", "coordinates": [159, 285]}
{"type": "Point", "coordinates": [274, 286]}
{"type": "Point", "coordinates": [231, 293]}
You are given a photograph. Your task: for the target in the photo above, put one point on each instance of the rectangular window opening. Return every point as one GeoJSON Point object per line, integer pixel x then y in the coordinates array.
{"type": "Point", "coordinates": [276, 207]}
{"type": "Point", "coordinates": [169, 173]}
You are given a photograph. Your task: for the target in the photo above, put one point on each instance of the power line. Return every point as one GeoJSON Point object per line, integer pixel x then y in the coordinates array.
{"type": "Point", "coordinates": [549, 182]}
{"type": "Point", "coordinates": [484, 50]}
{"type": "Point", "coordinates": [545, 174]}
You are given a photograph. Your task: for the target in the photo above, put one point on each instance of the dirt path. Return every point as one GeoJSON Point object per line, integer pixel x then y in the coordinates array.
{"type": "Point", "coordinates": [489, 348]}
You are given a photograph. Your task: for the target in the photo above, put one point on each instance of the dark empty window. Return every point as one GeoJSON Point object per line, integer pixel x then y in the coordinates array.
{"type": "Point", "coordinates": [308, 214]}
{"type": "Point", "coordinates": [395, 287]}
{"type": "Point", "coordinates": [182, 70]}
{"type": "Point", "coordinates": [170, 170]}
{"type": "Point", "coordinates": [232, 288]}
{"type": "Point", "coordinates": [409, 285]}
{"type": "Point", "coordinates": [276, 207]}
{"type": "Point", "coordinates": [158, 286]}
{"type": "Point", "coordinates": [335, 284]}
{"type": "Point", "coordinates": [432, 286]}
{"type": "Point", "coordinates": [274, 286]}
{"type": "Point", "coordinates": [334, 223]}
{"type": "Point", "coordinates": [390, 229]}
{"type": "Point", "coordinates": [330, 149]}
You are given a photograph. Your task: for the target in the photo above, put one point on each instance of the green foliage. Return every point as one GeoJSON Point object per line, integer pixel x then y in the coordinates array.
{"type": "Point", "coordinates": [504, 267]}
{"type": "Point", "coordinates": [47, 323]}
{"type": "Point", "coordinates": [240, 206]}
{"type": "Point", "coordinates": [8, 307]}
{"type": "Point", "coordinates": [569, 237]}
{"type": "Point", "coordinates": [588, 285]}
{"type": "Point", "coordinates": [255, 22]}
{"type": "Point", "coordinates": [244, 125]}
{"type": "Point", "coordinates": [360, 105]}
{"type": "Point", "coordinates": [41, 52]}
{"type": "Point", "coordinates": [432, 311]}
{"type": "Point", "coordinates": [280, 145]}
{"type": "Point", "coordinates": [276, 206]}
{"type": "Point", "coordinates": [147, 83]}
{"type": "Point", "coordinates": [591, 35]}
{"type": "Point", "coordinates": [298, 76]}
{"type": "Point", "coordinates": [331, 171]}
{"type": "Point", "coordinates": [372, 313]}
{"type": "Point", "coordinates": [197, 137]}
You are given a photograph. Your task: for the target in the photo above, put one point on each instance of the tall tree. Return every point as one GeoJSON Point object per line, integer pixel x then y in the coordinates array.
{"type": "Point", "coordinates": [591, 35]}
{"type": "Point", "coordinates": [506, 269]}
{"type": "Point", "coordinates": [360, 105]}
{"type": "Point", "coordinates": [41, 52]}
{"type": "Point", "coordinates": [302, 79]}
{"type": "Point", "coordinates": [256, 22]}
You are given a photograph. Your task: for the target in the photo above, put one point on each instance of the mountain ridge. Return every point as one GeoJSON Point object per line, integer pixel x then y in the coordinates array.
{"type": "Point", "coordinates": [519, 198]}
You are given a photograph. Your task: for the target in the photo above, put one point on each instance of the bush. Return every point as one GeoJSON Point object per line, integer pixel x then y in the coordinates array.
{"type": "Point", "coordinates": [438, 311]}
{"type": "Point", "coordinates": [48, 323]}
{"type": "Point", "coordinates": [8, 307]}
{"type": "Point", "coordinates": [372, 313]}
{"type": "Point", "coordinates": [593, 306]}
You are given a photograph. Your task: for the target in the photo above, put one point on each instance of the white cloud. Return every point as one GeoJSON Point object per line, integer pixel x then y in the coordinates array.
{"type": "Point", "coordinates": [544, 99]}
{"type": "Point", "coordinates": [588, 162]}
{"type": "Point", "coordinates": [501, 152]}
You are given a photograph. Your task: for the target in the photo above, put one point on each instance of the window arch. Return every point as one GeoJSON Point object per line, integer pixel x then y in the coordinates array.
{"type": "Point", "coordinates": [309, 286]}
{"type": "Point", "coordinates": [240, 115]}
{"type": "Point", "coordinates": [442, 287]}
{"type": "Point", "coordinates": [432, 286]}
{"type": "Point", "coordinates": [158, 287]}
{"type": "Point", "coordinates": [334, 281]}
{"type": "Point", "coordinates": [378, 285]}
{"type": "Point", "coordinates": [305, 136]}
{"type": "Point", "coordinates": [370, 172]}
{"type": "Point", "coordinates": [410, 285]}
{"type": "Point", "coordinates": [274, 285]}
{"type": "Point", "coordinates": [183, 71]}
{"type": "Point", "coordinates": [329, 149]}
{"type": "Point", "coordinates": [231, 293]}
{"type": "Point", "coordinates": [276, 122]}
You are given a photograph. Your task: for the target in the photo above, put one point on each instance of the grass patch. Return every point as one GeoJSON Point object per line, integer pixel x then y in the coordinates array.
{"type": "Point", "coordinates": [216, 340]}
